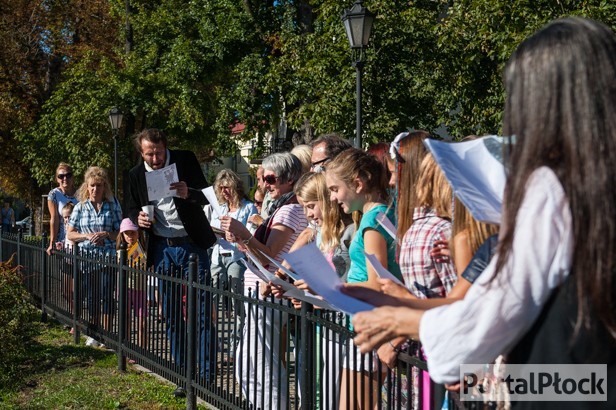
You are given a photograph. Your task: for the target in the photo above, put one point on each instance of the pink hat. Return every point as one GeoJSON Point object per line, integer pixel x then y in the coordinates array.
{"type": "Point", "coordinates": [128, 225]}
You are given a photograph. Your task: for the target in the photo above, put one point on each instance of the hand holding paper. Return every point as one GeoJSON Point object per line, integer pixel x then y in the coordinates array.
{"type": "Point", "coordinates": [310, 265]}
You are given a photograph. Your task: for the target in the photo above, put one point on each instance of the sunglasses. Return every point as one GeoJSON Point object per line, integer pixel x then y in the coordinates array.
{"type": "Point", "coordinates": [270, 179]}
{"type": "Point", "coordinates": [67, 175]}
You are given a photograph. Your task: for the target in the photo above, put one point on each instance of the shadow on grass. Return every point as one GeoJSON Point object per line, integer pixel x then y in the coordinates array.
{"type": "Point", "coordinates": [52, 350]}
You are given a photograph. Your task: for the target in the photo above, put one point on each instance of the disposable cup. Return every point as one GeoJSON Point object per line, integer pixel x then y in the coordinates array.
{"type": "Point", "coordinates": [149, 209]}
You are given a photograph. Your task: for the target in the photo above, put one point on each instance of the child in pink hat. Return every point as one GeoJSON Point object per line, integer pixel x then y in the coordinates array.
{"type": "Point", "coordinates": [136, 297]}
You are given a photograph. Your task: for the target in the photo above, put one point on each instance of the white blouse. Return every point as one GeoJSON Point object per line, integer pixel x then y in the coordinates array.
{"type": "Point", "coordinates": [495, 315]}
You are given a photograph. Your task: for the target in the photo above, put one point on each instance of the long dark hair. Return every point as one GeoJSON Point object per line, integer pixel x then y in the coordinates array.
{"type": "Point", "coordinates": [561, 107]}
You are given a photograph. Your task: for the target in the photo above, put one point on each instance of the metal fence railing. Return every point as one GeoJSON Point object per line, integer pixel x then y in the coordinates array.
{"type": "Point", "coordinates": [227, 346]}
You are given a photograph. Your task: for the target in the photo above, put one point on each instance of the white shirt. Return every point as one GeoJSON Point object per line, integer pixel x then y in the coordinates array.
{"type": "Point", "coordinates": [168, 223]}
{"type": "Point", "coordinates": [495, 315]}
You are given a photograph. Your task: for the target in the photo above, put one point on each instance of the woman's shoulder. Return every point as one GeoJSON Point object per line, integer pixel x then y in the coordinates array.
{"type": "Point", "coordinates": [53, 194]}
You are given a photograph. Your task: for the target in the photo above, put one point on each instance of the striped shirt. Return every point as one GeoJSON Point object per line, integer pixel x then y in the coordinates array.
{"type": "Point", "coordinates": [423, 276]}
{"type": "Point", "coordinates": [292, 216]}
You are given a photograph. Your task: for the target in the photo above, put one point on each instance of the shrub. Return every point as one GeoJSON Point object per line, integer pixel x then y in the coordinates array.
{"type": "Point", "coordinates": [16, 314]}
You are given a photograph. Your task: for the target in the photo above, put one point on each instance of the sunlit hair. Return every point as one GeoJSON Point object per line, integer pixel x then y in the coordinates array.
{"type": "Point", "coordinates": [433, 190]}
{"type": "Point", "coordinates": [153, 135]}
{"type": "Point", "coordinates": [303, 152]}
{"type": "Point", "coordinates": [561, 107]}
{"type": "Point", "coordinates": [380, 151]}
{"type": "Point", "coordinates": [284, 165]}
{"type": "Point", "coordinates": [476, 232]}
{"type": "Point", "coordinates": [354, 163]}
{"type": "Point", "coordinates": [63, 166]}
{"type": "Point", "coordinates": [312, 187]}
{"type": "Point", "coordinates": [412, 151]}
{"type": "Point", "coordinates": [95, 174]}
{"type": "Point", "coordinates": [226, 177]}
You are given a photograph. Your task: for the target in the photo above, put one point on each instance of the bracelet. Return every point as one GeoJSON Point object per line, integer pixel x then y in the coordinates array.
{"type": "Point", "coordinates": [245, 241]}
{"type": "Point", "coordinates": [394, 347]}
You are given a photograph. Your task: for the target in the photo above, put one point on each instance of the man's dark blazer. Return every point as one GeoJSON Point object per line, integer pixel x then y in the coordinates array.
{"type": "Point", "coordinates": [190, 210]}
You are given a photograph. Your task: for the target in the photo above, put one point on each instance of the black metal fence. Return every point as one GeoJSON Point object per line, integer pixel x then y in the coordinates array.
{"type": "Point", "coordinates": [230, 347]}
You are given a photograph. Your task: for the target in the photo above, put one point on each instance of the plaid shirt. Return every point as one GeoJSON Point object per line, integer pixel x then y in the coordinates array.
{"type": "Point", "coordinates": [424, 277]}
{"type": "Point", "coordinates": [85, 219]}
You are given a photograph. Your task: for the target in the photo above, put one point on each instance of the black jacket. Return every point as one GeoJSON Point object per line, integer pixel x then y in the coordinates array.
{"type": "Point", "coordinates": [190, 210]}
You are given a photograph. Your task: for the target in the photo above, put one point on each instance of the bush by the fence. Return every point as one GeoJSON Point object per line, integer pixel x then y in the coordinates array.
{"type": "Point", "coordinates": [16, 324]}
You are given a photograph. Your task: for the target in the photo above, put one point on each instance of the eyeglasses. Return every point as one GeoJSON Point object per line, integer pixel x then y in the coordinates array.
{"type": "Point", "coordinates": [67, 175]}
{"type": "Point", "coordinates": [314, 164]}
{"type": "Point", "coordinates": [270, 179]}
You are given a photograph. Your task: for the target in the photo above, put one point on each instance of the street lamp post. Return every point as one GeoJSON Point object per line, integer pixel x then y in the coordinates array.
{"type": "Point", "coordinates": [358, 25]}
{"type": "Point", "coordinates": [115, 118]}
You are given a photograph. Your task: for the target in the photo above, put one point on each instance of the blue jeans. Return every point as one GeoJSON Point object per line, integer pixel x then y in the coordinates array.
{"type": "Point", "coordinates": [169, 258]}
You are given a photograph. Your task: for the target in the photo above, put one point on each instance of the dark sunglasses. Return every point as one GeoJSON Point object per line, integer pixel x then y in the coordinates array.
{"type": "Point", "coordinates": [68, 175]}
{"type": "Point", "coordinates": [270, 179]}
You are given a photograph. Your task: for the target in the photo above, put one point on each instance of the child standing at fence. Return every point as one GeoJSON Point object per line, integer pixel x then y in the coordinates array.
{"type": "Point", "coordinates": [67, 266]}
{"type": "Point", "coordinates": [136, 296]}
{"type": "Point", "coordinates": [357, 181]}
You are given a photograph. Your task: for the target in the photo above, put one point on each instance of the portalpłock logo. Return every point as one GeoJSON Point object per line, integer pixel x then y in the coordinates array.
{"type": "Point", "coordinates": [533, 382]}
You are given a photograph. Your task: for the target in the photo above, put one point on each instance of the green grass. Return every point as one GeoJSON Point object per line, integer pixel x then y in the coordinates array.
{"type": "Point", "coordinates": [56, 374]}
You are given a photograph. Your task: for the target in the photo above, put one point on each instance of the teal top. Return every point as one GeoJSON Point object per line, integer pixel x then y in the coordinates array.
{"type": "Point", "coordinates": [358, 271]}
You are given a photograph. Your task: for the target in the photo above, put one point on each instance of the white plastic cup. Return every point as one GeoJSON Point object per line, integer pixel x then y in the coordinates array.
{"type": "Point", "coordinates": [149, 209]}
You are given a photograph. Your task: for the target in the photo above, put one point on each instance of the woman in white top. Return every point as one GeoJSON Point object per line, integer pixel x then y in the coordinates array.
{"type": "Point", "coordinates": [558, 219]}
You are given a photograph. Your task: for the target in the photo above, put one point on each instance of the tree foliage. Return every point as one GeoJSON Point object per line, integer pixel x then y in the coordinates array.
{"type": "Point", "coordinates": [197, 67]}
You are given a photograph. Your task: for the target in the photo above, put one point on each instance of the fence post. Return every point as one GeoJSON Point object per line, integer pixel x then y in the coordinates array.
{"type": "Point", "coordinates": [19, 239]}
{"type": "Point", "coordinates": [122, 311]}
{"type": "Point", "coordinates": [1, 246]}
{"type": "Point", "coordinates": [43, 277]}
{"type": "Point", "coordinates": [191, 357]}
{"type": "Point", "coordinates": [77, 298]}
{"type": "Point", "coordinates": [306, 345]}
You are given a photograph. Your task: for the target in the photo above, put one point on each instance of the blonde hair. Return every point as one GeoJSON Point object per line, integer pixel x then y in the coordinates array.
{"type": "Point", "coordinates": [233, 181]}
{"type": "Point", "coordinates": [433, 190]}
{"type": "Point", "coordinates": [96, 174]}
{"type": "Point", "coordinates": [303, 152]}
{"type": "Point", "coordinates": [312, 187]}
{"type": "Point", "coordinates": [476, 232]}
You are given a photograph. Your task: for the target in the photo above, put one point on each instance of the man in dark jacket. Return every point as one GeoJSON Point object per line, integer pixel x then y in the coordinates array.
{"type": "Point", "coordinates": [176, 229]}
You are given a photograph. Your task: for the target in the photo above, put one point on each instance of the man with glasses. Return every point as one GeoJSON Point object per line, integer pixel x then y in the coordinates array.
{"type": "Point", "coordinates": [326, 148]}
{"type": "Point", "coordinates": [177, 229]}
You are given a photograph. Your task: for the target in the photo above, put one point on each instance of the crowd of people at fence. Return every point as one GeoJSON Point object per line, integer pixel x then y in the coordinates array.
{"type": "Point", "coordinates": [463, 304]}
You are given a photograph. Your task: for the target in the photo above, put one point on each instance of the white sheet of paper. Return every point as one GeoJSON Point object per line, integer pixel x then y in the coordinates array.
{"type": "Point", "coordinates": [380, 269]}
{"type": "Point", "coordinates": [287, 272]}
{"type": "Point", "coordinates": [270, 276]}
{"type": "Point", "coordinates": [210, 195]}
{"type": "Point", "coordinates": [158, 182]}
{"type": "Point", "coordinates": [251, 267]}
{"type": "Point", "coordinates": [310, 264]}
{"type": "Point", "coordinates": [476, 173]}
{"type": "Point", "coordinates": [307, 297]}
{"type": "Point", "coordinates": [384, 221]}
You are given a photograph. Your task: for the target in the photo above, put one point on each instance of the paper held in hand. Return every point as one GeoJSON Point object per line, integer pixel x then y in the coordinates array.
{"type": "Point", "coordinates": [310, 265]}
{"type": "Point", "coordinates": [158, 182]}
{"type": "Point", "coordinates": [475, 172]}
{"type": "Point", "coordinates": [384, 221]}
{"type": "Point", "coordinates": [380, 269]}
{"type": "Point", "coordinates": [210, 195]}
